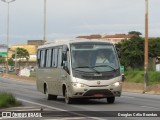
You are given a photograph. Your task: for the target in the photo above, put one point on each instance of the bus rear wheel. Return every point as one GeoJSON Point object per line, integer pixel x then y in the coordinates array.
{"type": "Point", "coordinates": [52, 97]}
{"type": "Point", "coordinates": [68, 100]}
{"type": "Point", "coordinates": [110, 100]}
{"type": "Point", "coordinates": [49, 96]}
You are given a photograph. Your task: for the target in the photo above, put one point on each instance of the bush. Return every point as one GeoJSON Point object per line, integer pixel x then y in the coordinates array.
{"type": "Point", "coordinates": [138, 77]}
{"type": "Point", "coordinates": [8, 100]}
{"type": "Point", "coordinates": [153, 77]}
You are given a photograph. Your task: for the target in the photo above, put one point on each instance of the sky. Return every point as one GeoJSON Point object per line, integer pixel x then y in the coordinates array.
{"type": "Point", "coordinates": [71, 18]}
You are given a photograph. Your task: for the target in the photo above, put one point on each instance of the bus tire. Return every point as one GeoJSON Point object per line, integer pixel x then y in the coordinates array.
{"type": "Point", "coordinates": [68, 100]}
{"type": "Point", "coordinates": [110, 100]}
{"type": "Point", "coordinates": [49, 96]}
{"type": "Point", "coordinates": [46, 92]}
{"type": "Point", "coordinates": [52, 97]}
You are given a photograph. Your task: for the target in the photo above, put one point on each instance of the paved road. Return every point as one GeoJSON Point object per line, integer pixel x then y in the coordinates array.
{"type": "Point", "coordinates": [34, 100]}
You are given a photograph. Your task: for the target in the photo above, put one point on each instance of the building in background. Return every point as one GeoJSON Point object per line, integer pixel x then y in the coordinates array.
{"type": "Point", "coordinates": [35, 42]}
{"type": "Point", "coordinates": [3, 50]}
{"type": "Point", "coordinates": [111, 38]}
{"type": "Point", "coordinates": [94, 36]}
{"type": "Point", "coordinates": [116, 38]}
{"type": "Point", "coordinates": [30, 48]}
{"type": "Point", "coordinates": [3, 53]}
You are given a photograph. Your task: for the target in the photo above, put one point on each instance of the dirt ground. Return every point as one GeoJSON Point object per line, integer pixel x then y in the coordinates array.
{"type": "Point", "coordinates": [127, 87]}
{"type": "Point", "coordinates": [139, 87]}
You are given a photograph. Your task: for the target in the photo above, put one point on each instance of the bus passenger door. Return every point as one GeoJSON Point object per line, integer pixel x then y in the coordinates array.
{"type": "Point", "coordinates": [64, 70]}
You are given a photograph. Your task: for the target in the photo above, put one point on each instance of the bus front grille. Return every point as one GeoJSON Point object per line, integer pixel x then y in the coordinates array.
{"type": "Point", "coordinates": [104, 92]}
{"type": "Point", "coordinates": [97, 77]}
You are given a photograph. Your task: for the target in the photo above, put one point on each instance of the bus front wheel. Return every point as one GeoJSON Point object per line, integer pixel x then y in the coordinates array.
{"type": "Point", "coordinates": [110, 100]}
{"type": "Point", "coordinates": [68, 100]}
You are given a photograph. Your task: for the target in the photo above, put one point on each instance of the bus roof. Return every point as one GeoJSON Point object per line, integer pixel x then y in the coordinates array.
{"type": "Point", "coordinates": [69, 41]}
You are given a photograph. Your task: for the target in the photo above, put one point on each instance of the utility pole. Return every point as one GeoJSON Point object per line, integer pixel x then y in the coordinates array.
{"type": "Point", "coordinates": [146, 48]}
{"type": "Point", "coordinates": [44, 30]}
{"type": "Point", "coordinates": [15, 62]}
{"type": "Point", "coordinates": [8, 2]}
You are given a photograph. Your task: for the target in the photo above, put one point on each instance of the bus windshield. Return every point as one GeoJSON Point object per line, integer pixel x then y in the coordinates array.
{"type": "Point", "coordinates": [94, 57]}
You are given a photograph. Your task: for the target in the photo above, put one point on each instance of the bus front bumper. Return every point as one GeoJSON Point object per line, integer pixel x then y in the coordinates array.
{"type": "Point", "coordinates": [95, 91]}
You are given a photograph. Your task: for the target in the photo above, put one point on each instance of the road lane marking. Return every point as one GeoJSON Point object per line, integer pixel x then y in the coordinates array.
{"type": "Point", "coordinates": [150, 107]}
{"type": "Point", "coordinates": [55, 108]}
{"type": "Point", "coordinates": [41, 105]}
{"type": "Point", "coordinates": [26, 110]}
{"type": "Point", "coordinates": [127, 97]}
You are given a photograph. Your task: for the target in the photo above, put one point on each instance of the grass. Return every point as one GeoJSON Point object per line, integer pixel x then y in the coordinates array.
{"type": "Point", "coordinates": [138, 77]}
{"type": "Point", "coordinates": [8, 100]}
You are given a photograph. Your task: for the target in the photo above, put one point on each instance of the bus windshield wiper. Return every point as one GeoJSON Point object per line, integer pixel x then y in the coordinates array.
{"type": "Point", "coordinates": [105, 66]}
{"type": "Point", "coordinates": [88, 67]}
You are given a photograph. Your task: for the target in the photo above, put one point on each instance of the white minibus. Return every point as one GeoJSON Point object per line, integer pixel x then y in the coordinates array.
{"type": "Point", "coordinates": [79, 69]}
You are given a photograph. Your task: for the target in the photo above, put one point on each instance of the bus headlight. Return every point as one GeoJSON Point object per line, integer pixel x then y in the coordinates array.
{"type": "Point", "coordinates": [116, 84]}
{"type": "Point", "coordinates": [78, 85]}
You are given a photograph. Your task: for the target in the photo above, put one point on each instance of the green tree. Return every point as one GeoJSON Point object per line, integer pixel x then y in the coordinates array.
{"type": "Point", "coordinates": [11, 62]}
{"type": "Point", "coordinates": [135, 32]}
{"type": "Point", "coordinates": [154, 52]}
{"type": "Point", "coordinates": [21, 53]}
{"type": "Point", "coordinates": [154, 47]}
{"type": "Point", "coordinates": [2, 60]}
{"type": "Point", "coordinates": [131, 52]}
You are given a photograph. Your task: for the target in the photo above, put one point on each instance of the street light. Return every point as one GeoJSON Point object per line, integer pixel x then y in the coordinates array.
{"type": "Point", "coordinates": [8, 2]}
{"type": "Point", "coordinates": [146, 48]}
{"type": "Point", "coordinates": [44, 30]}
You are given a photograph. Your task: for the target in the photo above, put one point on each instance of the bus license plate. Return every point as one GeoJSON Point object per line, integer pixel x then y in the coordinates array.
{"type": "Point", "coordinates": [98, 95]}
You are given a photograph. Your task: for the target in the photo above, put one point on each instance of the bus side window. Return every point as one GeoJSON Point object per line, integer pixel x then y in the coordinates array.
{"type": "Point", "coordinates": [54, 57]}
{"type": "Point", "coordinates": [38, 57]}
{"type": "Point", "coordinates": [42, 58]}
{"type": "Point", "coordinates": [59, 57]}
{"type": "Point", "coordinates": [48, 58]}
